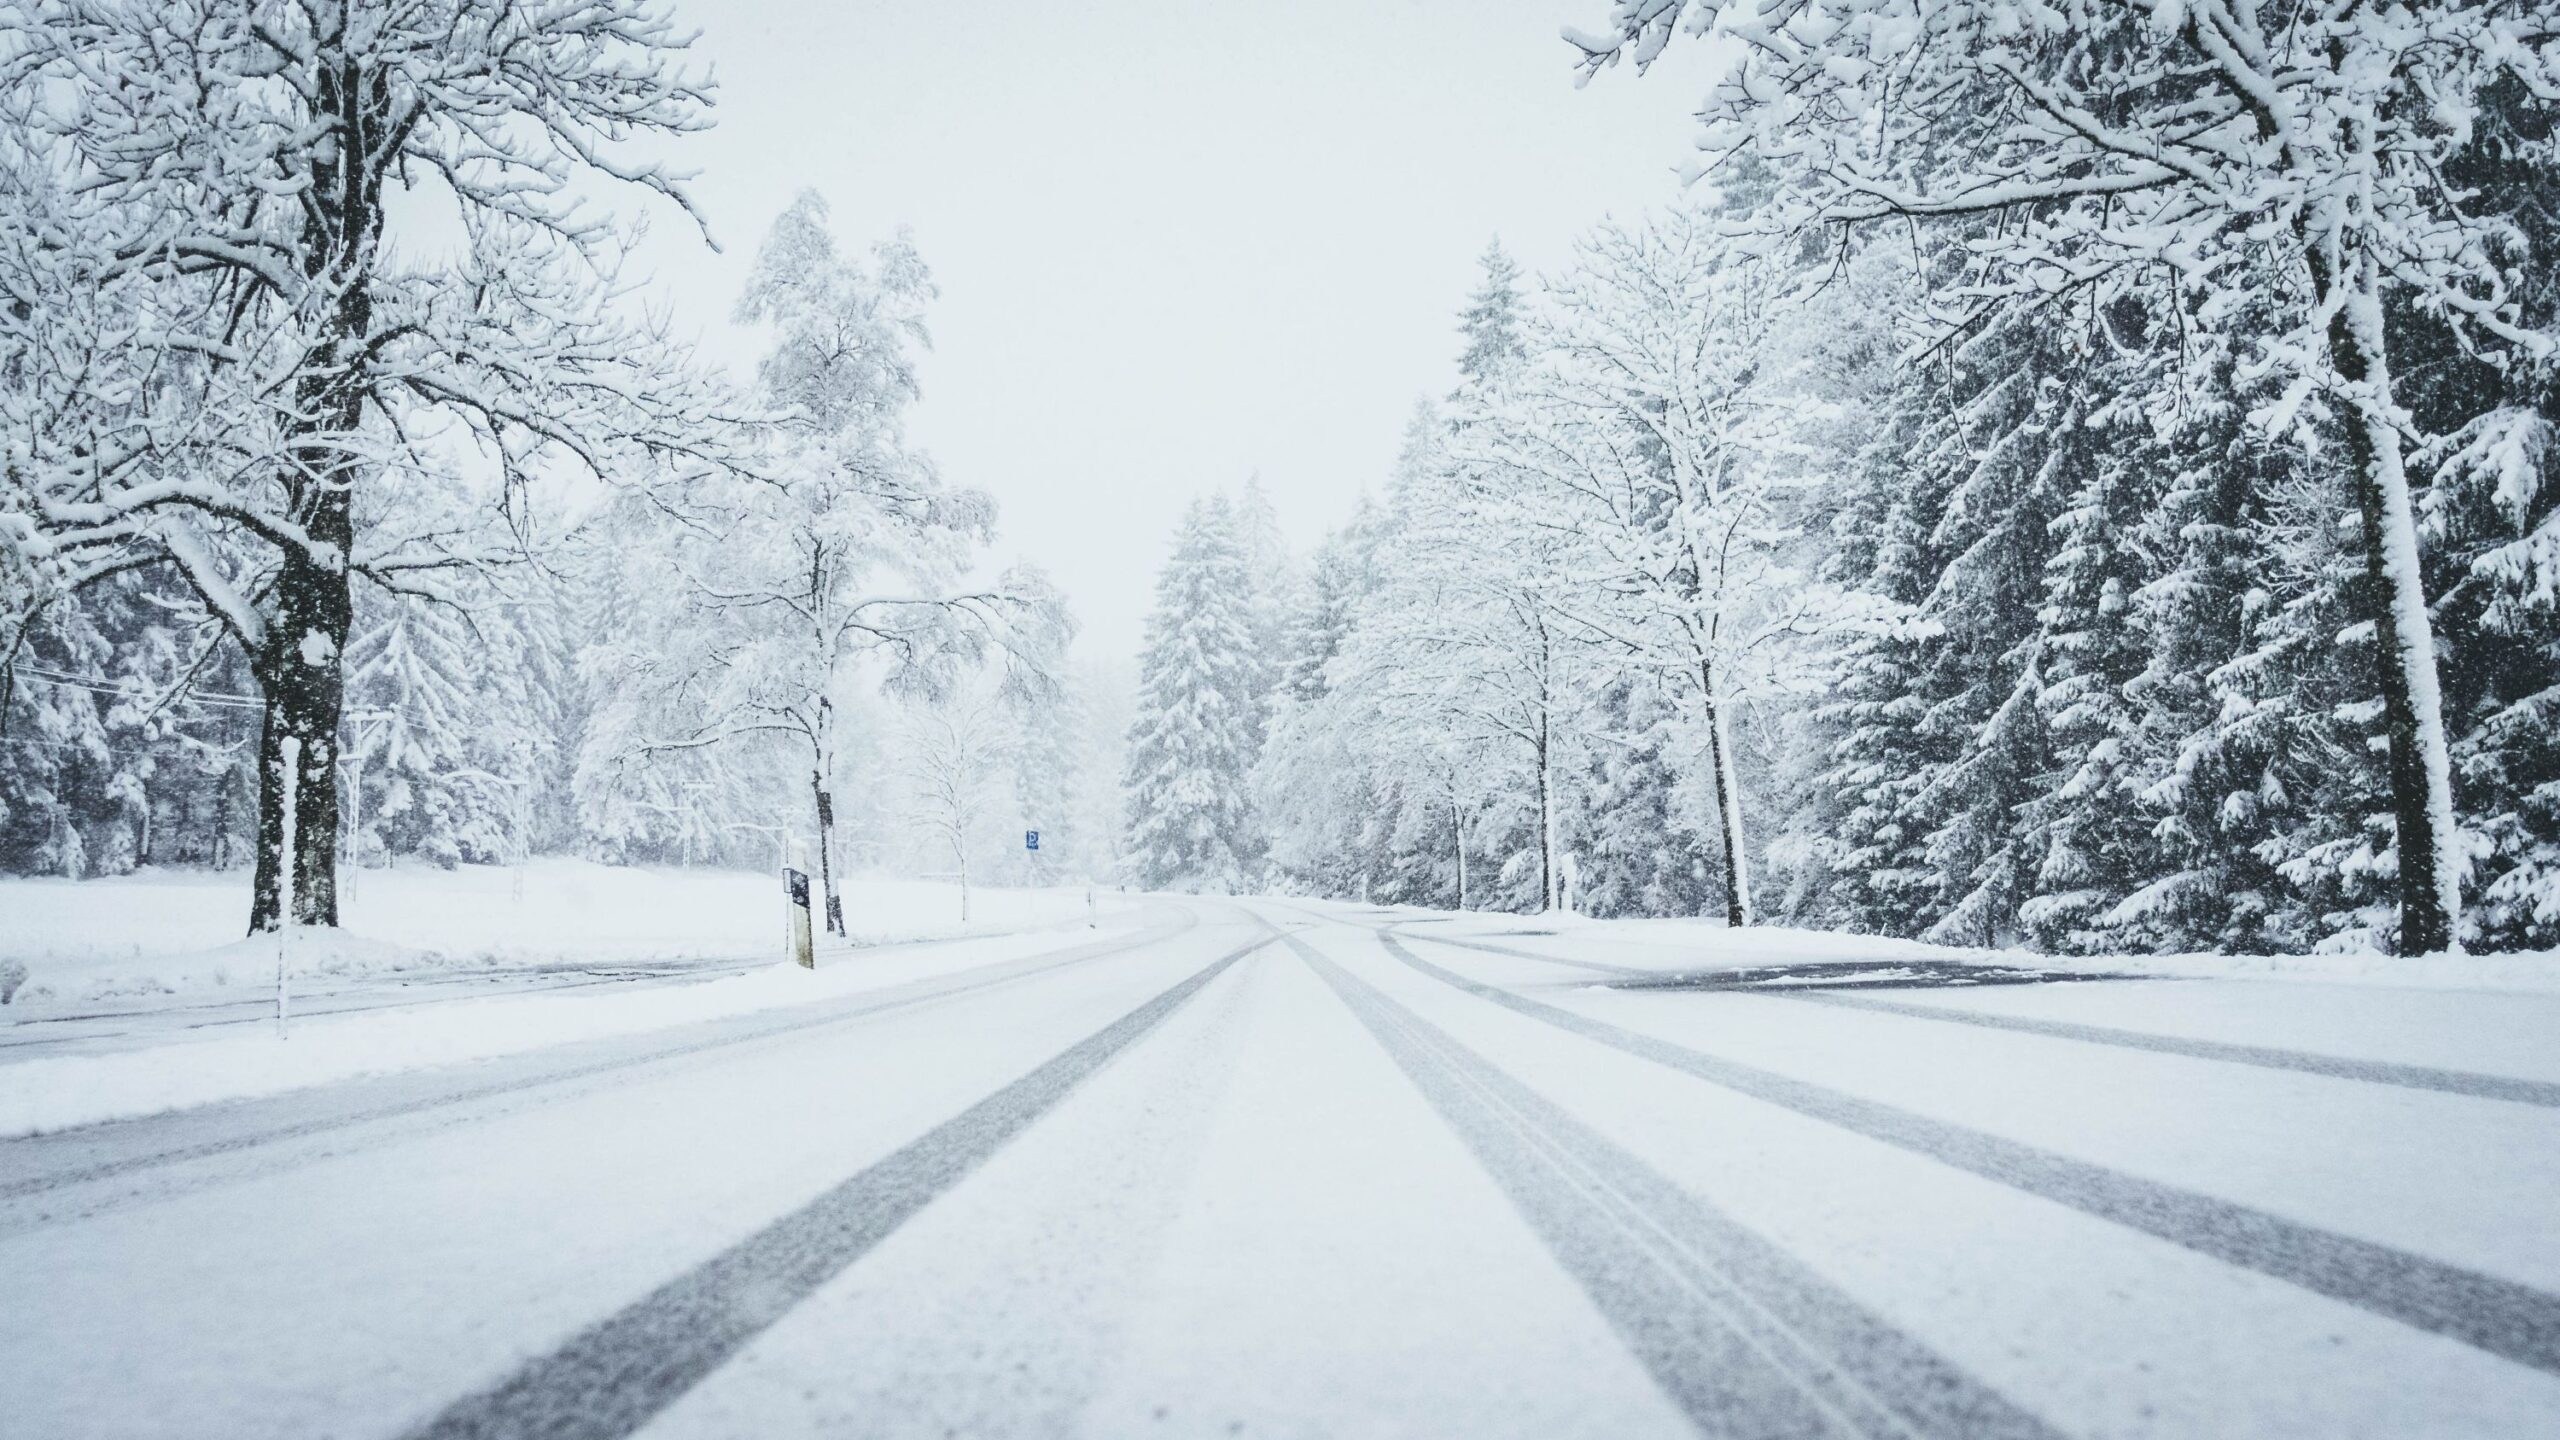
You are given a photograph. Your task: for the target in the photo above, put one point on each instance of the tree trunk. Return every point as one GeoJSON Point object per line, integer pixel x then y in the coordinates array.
{"type": "Point", "coordinates": [833, 911]}
{"type": "Point", "coordinates": [2413, 713]}
{"type": "Point", "coordinates": [1737, 864]}
{"type": "Point", "coordinates": [1548, 894]}
{"type": "Point", "coordinates": [1458, 846]}
{"type": "Point", "coordinates": [300, 659]}
{"type": "Point", "coordinates": [299, 669]}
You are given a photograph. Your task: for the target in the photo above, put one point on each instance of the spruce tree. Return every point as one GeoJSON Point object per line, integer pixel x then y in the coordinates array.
{"type": "Point", "coordinates": [1191, 748]}
{"type": "Point", "coordinates": [1491, 323]}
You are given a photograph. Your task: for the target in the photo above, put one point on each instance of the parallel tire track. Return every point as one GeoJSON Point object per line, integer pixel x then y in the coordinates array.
{"type": "Point", "coordinates": [2266, 1057]}
{"type": "Point", "coordinates": [612, 1378]}
{"type": "Point", "coordinates": [749, 1029]}
{"type": "Point", "coordinates": [1745, 1339]}
{"type": "Point", "coordinates": [2515, 1322]}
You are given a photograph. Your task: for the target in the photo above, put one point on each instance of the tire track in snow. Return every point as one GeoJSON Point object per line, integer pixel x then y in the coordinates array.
{"type": "Point", "coordinates": [612, 1378]}
{"type": "Point", "coordinates": [1745, 1339]}
{"type": "Point", "coordinates": [2377, 1072]}
{"type": "Point", "coordinates": [1619, 972]}
{"type": "Point", "coordinates": [2515, 1322]}
{"type": "Point", "coordinates": [2268, 1057]}
{"type": "Point", "coordinates": [496, 984]}
{"type": "Point", "coordinates": [511, 1085]}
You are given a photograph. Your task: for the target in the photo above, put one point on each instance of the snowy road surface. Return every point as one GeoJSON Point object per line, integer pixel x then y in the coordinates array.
{"type": "Point", "coordinates": [1276, 1169]}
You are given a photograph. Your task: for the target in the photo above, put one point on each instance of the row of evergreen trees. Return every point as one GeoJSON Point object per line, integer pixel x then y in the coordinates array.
{"type": "Point", "coordinates": [2077, 648]}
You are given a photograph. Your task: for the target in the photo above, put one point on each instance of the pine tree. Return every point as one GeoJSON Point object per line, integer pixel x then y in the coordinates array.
{"type": "Point", "coordinates": [1191, 748]}
{"type": "Point", "coordinates": [1492, 323]}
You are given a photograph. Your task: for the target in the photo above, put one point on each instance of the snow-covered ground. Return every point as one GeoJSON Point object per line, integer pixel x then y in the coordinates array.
{"type": "Point", "coordinates": [51, 1092]}
{"type": "Point", "coordinates": [138, 998]}
{"type": "Point", "coordinates": [1709, 945]}
{"type": "Point", "coordinates": [159, 932]}
{"type": "Point", "coordinates": [1208, 1178]}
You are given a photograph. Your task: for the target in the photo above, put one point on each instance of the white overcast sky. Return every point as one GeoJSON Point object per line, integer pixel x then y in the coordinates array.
{"type": "Point", "coordinates": [1178, 241]}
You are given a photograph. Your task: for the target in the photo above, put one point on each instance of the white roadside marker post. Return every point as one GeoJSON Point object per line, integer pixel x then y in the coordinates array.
{"type": "Point", "coordinates": [292, 779]}
{"type": "Point", "coordinates": [795, 896]}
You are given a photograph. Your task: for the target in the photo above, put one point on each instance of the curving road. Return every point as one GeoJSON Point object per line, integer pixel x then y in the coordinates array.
{"type": "Point", "coordinates": [1278, 1168]}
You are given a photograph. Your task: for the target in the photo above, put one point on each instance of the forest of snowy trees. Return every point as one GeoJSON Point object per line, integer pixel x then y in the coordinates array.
{"type": "Point", "coordinates": [2063, 474]}
{"type": "Point", "coordinates": [2068, 474]}
{"type": "Point", "coordinates": [343, 462]}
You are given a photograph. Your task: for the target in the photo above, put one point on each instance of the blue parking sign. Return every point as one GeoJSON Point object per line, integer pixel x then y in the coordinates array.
{"type": "Point", "coordinates": [1030, 839]}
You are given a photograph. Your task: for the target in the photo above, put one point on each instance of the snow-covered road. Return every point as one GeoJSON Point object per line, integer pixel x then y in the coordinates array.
{"type": "Point", "coordinates": [1271, 1168]}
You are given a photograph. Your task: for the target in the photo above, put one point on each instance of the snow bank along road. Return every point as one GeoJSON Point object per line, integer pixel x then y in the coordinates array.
{"type": "Point", "coordinates": [1266, 1168]}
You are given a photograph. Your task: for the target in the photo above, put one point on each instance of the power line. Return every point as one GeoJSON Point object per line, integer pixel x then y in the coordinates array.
{"type": "Point", "coordinates": [96, 685]}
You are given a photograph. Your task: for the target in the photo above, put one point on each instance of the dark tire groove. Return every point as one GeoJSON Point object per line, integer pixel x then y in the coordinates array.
{"type": "Point", "coordinates": [744, 1030]}
{"type": "Point", "coordinates": [2512, 1321]}
{"type": "Point", "coordinates": [2266, 1057]}
{"type": "Point", "coordinates": [1745, 1339]}
{"type": "Point", "coordinates": [612, 1378]}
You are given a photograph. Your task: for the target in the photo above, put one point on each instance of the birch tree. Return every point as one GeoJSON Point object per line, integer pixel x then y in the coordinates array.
{"type": "Point", "coordinates": [952, 755]}
{"type": "Point", "coordinates": [837, 555]}
{"type": "Point", "coordinates": [1663, 424]}
{"type": "Point", "coordinates": [1463, 667]}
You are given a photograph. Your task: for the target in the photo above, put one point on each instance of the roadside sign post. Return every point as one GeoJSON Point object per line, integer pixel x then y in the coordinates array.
{"type": "Point", "coordinates": [795, 891]}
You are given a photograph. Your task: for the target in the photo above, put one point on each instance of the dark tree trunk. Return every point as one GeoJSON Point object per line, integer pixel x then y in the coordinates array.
{"type": "Point", "coordinates": [833, 907]}
{"type": "Point", "coordinates": [300, 660]}
{"type": "Point", "coordinates": [301, 672]}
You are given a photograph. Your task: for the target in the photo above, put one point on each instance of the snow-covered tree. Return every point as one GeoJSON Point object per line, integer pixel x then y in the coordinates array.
{"type": "Point", "coordinates": [2192, 140]}
{"type": "Point", "coordinates": [266, 261]}
{"type": "Point", "coordinates": [1663, 423]}
{"type": "Point", "coordinates": [1463, 653]}
{"type": "Point", "coordinates": [1491, 323]}
{"type": "Point", "coordinates": [952, 753]}
{"type": "Point", "coordinates": [838, 555]}
{"type": "Point", "coordinates": [1192, 746]}
{"type": "Point", "coordinates": [1045, 762]}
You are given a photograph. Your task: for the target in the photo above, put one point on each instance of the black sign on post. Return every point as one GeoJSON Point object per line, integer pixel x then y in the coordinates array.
{"type": "Point", "coordinates": [796, 885]}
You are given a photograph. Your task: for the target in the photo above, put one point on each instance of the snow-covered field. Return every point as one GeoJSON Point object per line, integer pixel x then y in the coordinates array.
{"type": "Point", "coordinates": [160, 932]}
